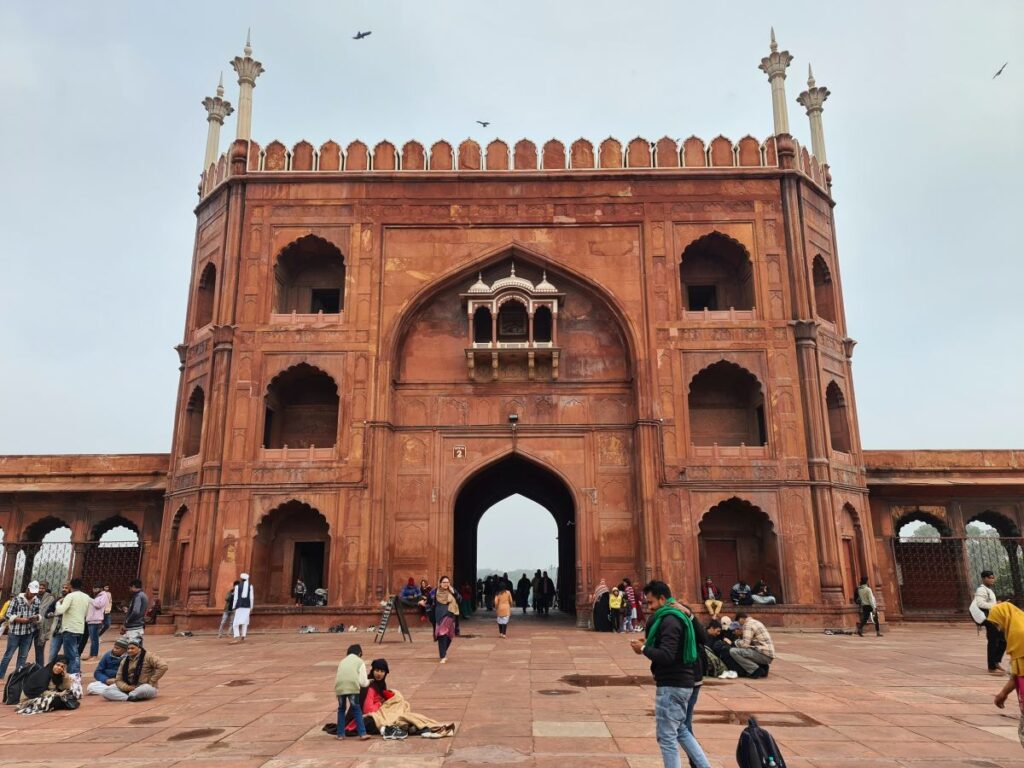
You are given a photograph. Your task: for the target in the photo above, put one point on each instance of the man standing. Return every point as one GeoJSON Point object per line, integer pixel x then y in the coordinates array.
{"type": "Point", "coordinates": [547, 587]}
{"type": "Point", "coordinates": [755, 650]}
{"type": "Point", "coordinates": [22, 619]}
{"type": "Point", "coordinates": [107, 610]}
{"type": "Point", "coordinates": [865, 598]}
{"type": "Point", "coordinates": [135, 621]}
{"type": "Point", "coordinates": [983, 602]}
{"type": "Point", "coordinates": [45, 625]}
{"type": "Point", "coordinates": [242, 604]}
{"type": "Point", "coordinates": [671, 645]}
{"type": "Point", "coordinates": [73, 608]}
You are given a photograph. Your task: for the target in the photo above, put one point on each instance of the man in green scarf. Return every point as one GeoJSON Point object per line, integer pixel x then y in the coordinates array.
{"type": "Point", "coordinates": [671, 645]}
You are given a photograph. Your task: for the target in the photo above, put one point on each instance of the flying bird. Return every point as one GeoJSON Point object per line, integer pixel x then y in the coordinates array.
{"type": "Point", "coordinates": [997, 74]}
{"type": "Point", "coordinates": [361, 35]}
{"type": "Point", "coordinates": [484, 123]}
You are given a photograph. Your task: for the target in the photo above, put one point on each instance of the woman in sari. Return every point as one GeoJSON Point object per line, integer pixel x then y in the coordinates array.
{"type": "Point", "coordinates": [1009, 619]}
{"type": "Point", "coordinates": [444, 611]}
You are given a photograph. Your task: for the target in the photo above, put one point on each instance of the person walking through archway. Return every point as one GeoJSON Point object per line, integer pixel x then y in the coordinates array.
{"type": "Point", "coordinates": [523, 593]}
{"type": "Point", "coordinates": [503, 609]}
{"type": "Point", "coordinates": [445, 610]}
{"type": "Point", "coordinates": [547, 587]}
{"type": "Point", "coordinates": [243, 603]}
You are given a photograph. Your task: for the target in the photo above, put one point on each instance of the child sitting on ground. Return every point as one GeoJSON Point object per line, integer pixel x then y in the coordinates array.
{"type": "Point", "coordinates": [348, 682]}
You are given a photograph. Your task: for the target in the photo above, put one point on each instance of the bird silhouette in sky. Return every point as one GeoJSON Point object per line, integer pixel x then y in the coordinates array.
{"type": "Point", "coordinates": [997, 74]}
{"type": "Point", "coordinates": [361, 35]}
{"type": "Point", "coordinates": [484, 123]}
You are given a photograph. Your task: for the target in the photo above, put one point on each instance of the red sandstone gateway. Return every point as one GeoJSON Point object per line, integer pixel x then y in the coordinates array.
{"type": "Point", "coordinates": [647, 338]}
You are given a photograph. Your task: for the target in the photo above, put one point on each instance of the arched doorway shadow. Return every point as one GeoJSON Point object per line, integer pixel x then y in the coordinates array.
{"type": "Point", "coordinates": [292, 541]}
{"type": "Point", "coordinates": [506, 477]}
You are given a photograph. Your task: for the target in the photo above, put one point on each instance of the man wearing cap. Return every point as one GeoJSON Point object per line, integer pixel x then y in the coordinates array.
{"type": "Point", "coordinates": [242, 604]}
{"type": "Point", "coordinates": [135, 619]}
{"type": "Point", "coordinates": [106, 671]}
{"type": "Point", "coordinates": [22, 617]}
{"type": "Point", "coordinates": [137, 676]}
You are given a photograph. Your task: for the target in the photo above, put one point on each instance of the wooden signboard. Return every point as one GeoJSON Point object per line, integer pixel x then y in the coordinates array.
{"type": "Point", "coordinates": [392, 606]}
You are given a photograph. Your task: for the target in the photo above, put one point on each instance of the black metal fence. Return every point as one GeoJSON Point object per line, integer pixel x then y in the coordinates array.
{"type": "Point", "coordinates": [940, 574]}
{"type": "Point", "coordinates": [106, 563]}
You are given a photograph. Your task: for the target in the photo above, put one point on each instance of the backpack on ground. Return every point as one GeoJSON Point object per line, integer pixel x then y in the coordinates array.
{"type": "Point", "coordinates": [16, 681]}
{"type": "Point", "coordinates": [757, 748]}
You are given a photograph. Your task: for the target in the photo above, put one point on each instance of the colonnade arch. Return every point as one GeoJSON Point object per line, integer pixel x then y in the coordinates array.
{"type": "Point", "coordinates": [737, 539]}
{"type": "Point", "coordinates": [291, 541]}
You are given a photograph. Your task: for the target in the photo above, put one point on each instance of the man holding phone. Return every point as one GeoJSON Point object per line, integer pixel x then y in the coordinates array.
{"type": "Point", "coordinates": [22, 618]}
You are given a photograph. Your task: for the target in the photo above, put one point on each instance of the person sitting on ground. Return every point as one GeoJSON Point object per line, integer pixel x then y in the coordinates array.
{"type": "Point", "coordinates": [719, 644]}
{"type": "Point", "coordinates": [410, 595]}
{"type": "Point", "coordinates": [740, 593]}
{"type": "Point", "coordinates": [137, 677]}
{"type": "Point", "coordinates": [371, 698]}
{"type": "Point", "coordinates": [762, 595]}
{"type": "Point", "coordinates": [389, 713]}
{"type": "Point", "coordinates": [106, 671]}
{"type": "Point", "coordinates": [349, 680]}
{"type": "Point", "coordinates": [755, 650]}
{"type": "Point", "coordinates": [712, 597]}
{"type": "Point", "coordinates": [49, 688]}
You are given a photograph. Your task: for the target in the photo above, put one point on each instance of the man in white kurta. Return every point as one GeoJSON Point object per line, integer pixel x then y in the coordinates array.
{"type": "Point", "coordinates": [242, 604]}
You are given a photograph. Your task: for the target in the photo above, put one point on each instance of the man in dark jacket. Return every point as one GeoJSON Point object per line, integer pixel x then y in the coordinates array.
{"type": "Point", "coordinates": [671, 645]}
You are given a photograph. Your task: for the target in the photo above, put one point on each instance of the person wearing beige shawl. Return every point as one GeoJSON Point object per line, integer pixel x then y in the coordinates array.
{"type": "Point", "coordinates": [444, 605]}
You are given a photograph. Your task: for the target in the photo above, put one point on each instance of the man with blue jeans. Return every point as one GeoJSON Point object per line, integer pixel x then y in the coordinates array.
{"type": "Point", "coordinates": [22, 617]}
{"type": "Point", "coordinates": [671, 645]}
{"type": "Point", "coordinates": [72, 608]}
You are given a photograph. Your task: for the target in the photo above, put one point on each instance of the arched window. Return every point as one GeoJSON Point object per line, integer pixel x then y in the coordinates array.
{"type": "Point", "coordinates": [193, 427]}
{"type": "Point", "coordinates": [482, 326]}
{"type": "Point", "coordinates": [513, 324]}
{"type": "Point", "coordinates": [310, 276]}
{"type": "Point", "coordinates": [542, 324]}
{"type": "Point", "coordinates": [838, 421]}
{"type": "Point", "coordinates": [726, 407]}
{"type": "Point", "coordinates": [716, 274]}
{"type": "Point", "coordinates": [301, 409]}
{"type": "Point", "coordinates": [824, 292]}
{"type": "Point", "coordinates": [205, 294]}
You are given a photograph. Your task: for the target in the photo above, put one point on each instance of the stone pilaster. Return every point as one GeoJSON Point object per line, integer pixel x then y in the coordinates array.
{"type": "Point", "coordinates": [216, 110]}
{"type": "Point", "coordinates": [813, 100]}
{"type": "Point", "coordinates": [248, 70]}
{"type": "Point", "coordinates": [774, 65]}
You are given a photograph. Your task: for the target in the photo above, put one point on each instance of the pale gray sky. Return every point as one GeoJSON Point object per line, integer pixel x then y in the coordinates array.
{"type": "Point", "coordinates": [517, 534]}
{"type": "Point", "coordinates": [103, 135]}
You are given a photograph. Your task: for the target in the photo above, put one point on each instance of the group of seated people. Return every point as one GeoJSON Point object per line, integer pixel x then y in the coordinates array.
{"type": "Point", "coordinates": [366, 706]}
{"type": "Point", "coordinates": [127, 672]}
{"type": "Point", "coordinates": [740, 594]}
{"type": "Point", "coordinates": [737, 648]}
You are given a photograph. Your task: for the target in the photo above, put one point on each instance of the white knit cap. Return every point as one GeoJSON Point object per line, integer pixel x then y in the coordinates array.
{"type": "Point", "coordinates": [243, 576]}
{"type": "Point", "coordinates": [33, 586]}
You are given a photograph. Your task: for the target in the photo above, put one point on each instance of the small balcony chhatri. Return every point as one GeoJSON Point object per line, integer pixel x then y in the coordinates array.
{"type": "Point", "coordinates": [512, 327]}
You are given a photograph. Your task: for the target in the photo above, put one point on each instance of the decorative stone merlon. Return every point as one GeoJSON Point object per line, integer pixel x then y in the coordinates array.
{"type": "Point", "coordinates": [774, 65]}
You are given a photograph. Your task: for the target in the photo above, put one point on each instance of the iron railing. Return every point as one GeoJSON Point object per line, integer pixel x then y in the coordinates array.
{"type": "Point", "coordinates": [108, 563]}
{"type": "Point", "coordinates": [940, 574]}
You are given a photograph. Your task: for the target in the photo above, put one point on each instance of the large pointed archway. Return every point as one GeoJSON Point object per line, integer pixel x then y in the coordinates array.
{"type": "Point", "coordinates": [515, 474]}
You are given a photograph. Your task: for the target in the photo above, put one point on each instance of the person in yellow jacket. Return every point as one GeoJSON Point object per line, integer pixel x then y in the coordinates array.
{"type": "Point", "coordinates": [503, 609]}
{"type": "Point", "coordinates": [615, 609]}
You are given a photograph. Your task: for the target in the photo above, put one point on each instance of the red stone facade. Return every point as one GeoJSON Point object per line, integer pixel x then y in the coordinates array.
{"type": "Point", "coordinates": [664, 322]}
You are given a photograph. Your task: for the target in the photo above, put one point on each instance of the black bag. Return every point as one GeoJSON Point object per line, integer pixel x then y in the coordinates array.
{"type": "Point", "coordinates": [16, 681]}
{"type": "Point", "coordinates": [64, 700]}
{"type": "Point", "coordinates": [757, 748]}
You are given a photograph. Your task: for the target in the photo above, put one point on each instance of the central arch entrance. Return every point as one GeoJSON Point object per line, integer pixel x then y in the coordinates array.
{"type": "Point", "coordinates": [507, 477]}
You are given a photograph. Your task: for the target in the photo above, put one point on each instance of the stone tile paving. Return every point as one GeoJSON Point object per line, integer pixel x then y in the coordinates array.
{"type": "Point", "coordinates": [919, 696]}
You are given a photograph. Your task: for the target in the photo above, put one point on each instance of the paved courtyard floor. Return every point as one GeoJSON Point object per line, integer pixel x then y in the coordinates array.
{"type": "Point", "coordinates": [919, 696]}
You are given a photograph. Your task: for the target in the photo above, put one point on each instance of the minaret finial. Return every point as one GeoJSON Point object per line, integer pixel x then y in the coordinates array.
{"type": "Point", "coordinates": [810, 76]}
{"type": "Point", "coordinates": [248, 42]}
{"type": "Point", "coordinates": [513, 269]}
{"type": "Point", "coordinates": [220, 84]}
{"type": "Point", "coordinates": [774, 45]}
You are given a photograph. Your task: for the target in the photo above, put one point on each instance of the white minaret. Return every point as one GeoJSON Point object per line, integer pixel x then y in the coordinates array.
{"type": "Point", "coordinates": [248, 70]}
{"type": "Point", "coordinates": [216, 110]}
{"type": "Point", "coordinates": [774, 65]}
{"type": "Point", "coordinates": [813, 100]}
